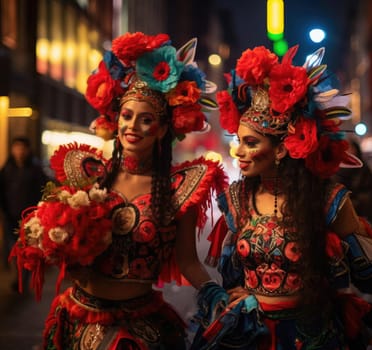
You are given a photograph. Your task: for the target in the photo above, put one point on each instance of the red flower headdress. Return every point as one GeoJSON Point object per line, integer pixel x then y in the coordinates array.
{"type": "Point", "coordinates": [148, 67]}
{"type": "Point", "coordinates": [294, 102]}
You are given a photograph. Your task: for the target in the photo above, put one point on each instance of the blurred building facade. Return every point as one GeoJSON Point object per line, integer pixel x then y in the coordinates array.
{"type": "Point", "coordinates": [360, 74]}
{"type": "Point", "coordinates": [49, 47]}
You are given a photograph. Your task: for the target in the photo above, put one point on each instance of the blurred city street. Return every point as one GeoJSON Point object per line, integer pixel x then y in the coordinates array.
{"type": "Point", "coordinates": [21, 316]}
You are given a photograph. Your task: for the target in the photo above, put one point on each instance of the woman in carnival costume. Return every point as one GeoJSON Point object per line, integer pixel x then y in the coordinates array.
{"type": "Point", "coordinates": [119, 226]}
{"type": "Point", "coordinates": [289, 245]}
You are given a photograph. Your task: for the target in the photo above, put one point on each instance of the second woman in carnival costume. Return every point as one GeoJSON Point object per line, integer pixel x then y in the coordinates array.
{"type": "Point", "coordinates": [289, 245]}
{"type": "Point", "coordinates": [119, 226]}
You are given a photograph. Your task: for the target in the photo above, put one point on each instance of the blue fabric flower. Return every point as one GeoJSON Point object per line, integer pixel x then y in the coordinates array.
{"type": "Point", "coordinates": [193, 73]}
{"type": "Point", "coordinates": [160, 68]}
{"type": "Point", "coordinates": [114, 66]}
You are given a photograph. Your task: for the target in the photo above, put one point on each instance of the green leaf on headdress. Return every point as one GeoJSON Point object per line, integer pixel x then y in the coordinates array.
{"type": "Point", "coordinates": [315, 73]}
{"type": "Point", "coordinates": [337, 112]}
{"type": "Point", "coordinates": [208, 103]}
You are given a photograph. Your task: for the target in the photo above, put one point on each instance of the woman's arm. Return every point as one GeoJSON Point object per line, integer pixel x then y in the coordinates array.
{"type": "Point", "coordinates": [186, 254]}
{"type": "Point", "coordinates": [347, 220]}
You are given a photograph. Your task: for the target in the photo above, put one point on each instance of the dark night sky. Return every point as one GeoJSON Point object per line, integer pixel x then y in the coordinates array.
{"type": "Point", "coordinates": [248, 18]}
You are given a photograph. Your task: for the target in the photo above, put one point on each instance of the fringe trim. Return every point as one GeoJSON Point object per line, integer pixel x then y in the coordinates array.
{"type": "Point", "coordinates": [57, 160]}
{"type": "Point", "coordinates": [214, 181]}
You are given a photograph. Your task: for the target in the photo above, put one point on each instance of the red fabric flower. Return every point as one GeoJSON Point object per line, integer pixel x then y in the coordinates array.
{"type": "Point", "coordinates": [101, 89]}
{"type": "Point", "coordinates": [272, 277]}
{"type": "Point", "coordinates": [254, 65]}
{"type": "Point", "coordinates": [292, 251]}
{"type": "Point", "coordinates": [304, 139]}
{"type": "Point", "coordinates": [288, 85]}
{"type": "Point", "coordinates": [293, 282]}
{"type": "Point", "coordinates": [229, 114]}
{"type": "Point", "coordinates": [161, 71]}
{"type": "Point", "coordinates": [145, 233]}
{"type": "Point", "coordinates": [187, 118]}
{"type": "Point", "coordinates": [186, 92]}
{"type": "Point", "coordinates": [70, 233]}
{"type": "Point", "coordinates": [128, 47]}
{"type": "Point", "coordinates": [325, 161]}
{"type": "Point", "coordinates": [103, 127]}
{"type": "Point", "coordinates": [104, 122]}
{"type": "Point", "coordinates": [243, 248]}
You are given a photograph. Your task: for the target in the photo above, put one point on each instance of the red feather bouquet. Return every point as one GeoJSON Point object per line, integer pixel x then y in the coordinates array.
{"type": "Point", "coordinates": [69, 226]}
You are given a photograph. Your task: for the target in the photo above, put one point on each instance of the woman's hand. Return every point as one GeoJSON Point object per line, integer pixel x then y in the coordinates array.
{"type": "Point", "coordinates": [236, 295]}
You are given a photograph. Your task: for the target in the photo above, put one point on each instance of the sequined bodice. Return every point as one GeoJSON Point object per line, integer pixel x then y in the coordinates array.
{"type": "Point", "coordinates": [270, 257]}
{"type": "Point", "coordinates": [138, 246]}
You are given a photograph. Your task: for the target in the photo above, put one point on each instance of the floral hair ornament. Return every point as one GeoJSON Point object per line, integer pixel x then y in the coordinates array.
{"type": "Point", "coordinates": [148, 68]}
{"type": "Point", "coordinates": [297, 103]}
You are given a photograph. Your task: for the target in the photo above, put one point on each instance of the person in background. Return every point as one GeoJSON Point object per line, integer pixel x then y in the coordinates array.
{"type": "Point", "coordinates": [21, 182]}
{"type": "Point", "coordinates": [121, 226]}
{"type": "Point", "coordinates": [289, 245]}
{"type": "Point", "coordinates": [359, 182]}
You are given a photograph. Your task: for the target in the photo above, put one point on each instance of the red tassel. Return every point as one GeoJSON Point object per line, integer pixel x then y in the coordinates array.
{"type": "Point", "coordinates": [61, 276]}
{"type": "Point", "coordinates": [216, 238]}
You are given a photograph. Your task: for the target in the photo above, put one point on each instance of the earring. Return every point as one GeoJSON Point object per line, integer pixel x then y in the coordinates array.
{"type": "Point", "coordinates": [277, 161]}
{"type": "Point", "coordinates": [276, 196]}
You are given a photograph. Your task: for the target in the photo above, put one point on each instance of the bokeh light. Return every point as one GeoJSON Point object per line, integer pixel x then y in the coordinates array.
{"type": "Point", "coordinates": [214, 59]}
{"type": "Point", "coordinates": [317, 35]}
{"type": "Point", "coordinates": [360, 129]}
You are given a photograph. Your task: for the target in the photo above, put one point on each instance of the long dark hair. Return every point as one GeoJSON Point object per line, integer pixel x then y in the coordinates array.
{"type": "Point", "coordinates": [303, 209]}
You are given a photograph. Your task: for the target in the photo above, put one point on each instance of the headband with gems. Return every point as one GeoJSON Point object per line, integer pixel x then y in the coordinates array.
{"type": "Point", "coordinates": [148, 67]}
{"type": "Point", "coordinates": [297, 103]}
{"type": "Point", "coordinates": [139, 91]}
{"type": "Point", "coordinates": [259, 116]}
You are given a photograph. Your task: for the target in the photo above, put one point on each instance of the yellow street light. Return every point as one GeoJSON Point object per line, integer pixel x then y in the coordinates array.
{"type": "Point", "coordinates": [275, 19]}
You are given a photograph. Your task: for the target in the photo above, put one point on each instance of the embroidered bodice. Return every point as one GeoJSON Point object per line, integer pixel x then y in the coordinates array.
{"type": "Point", "coordinates": [270, 257]}
{"type": "Point", "coordinates": [265, 250]}
{"type": "Point", "coordinates": [140, 248]}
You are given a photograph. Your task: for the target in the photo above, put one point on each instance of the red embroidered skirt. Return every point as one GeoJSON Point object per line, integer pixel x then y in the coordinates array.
{"type": "Point", "coordinates": [78, 320]}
